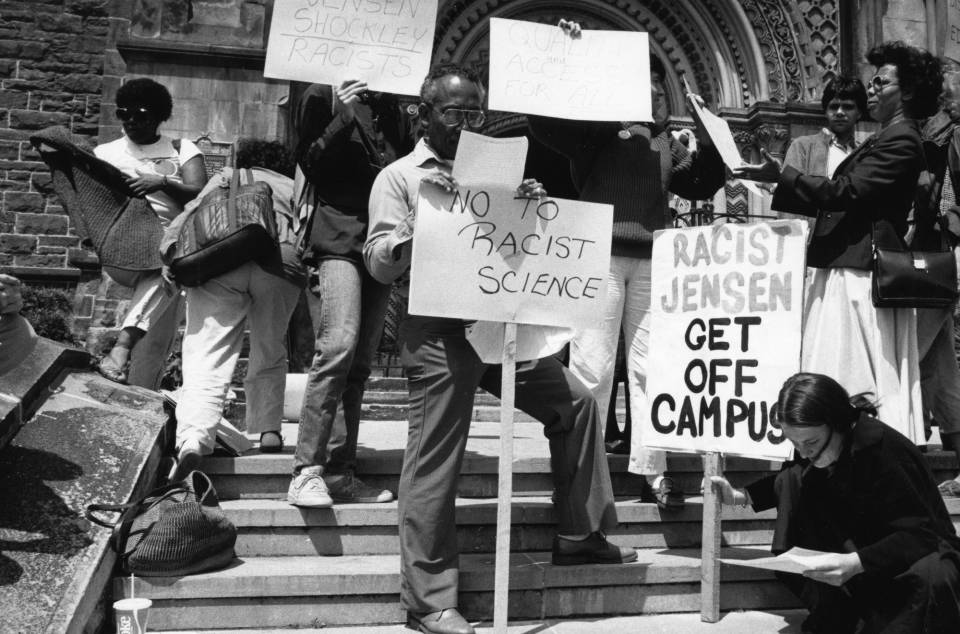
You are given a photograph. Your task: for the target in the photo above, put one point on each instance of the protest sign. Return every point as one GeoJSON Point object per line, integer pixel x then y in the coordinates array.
{"type": "Point", "coordinates": [483, 253]}
{"type": "Point", "coordinates": [386, 43]}
{"type": "Point", "coordinates": [726, 306]}
{"type": "Point", "coordinates": [538, 69]}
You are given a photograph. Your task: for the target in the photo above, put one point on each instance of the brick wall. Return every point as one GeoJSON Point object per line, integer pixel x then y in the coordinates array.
{"type": "Point", "coordinates": [52, 55]}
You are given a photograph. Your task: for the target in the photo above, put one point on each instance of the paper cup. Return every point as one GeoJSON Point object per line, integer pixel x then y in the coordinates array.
{"type": "Point", "coordinates": [132, 615]}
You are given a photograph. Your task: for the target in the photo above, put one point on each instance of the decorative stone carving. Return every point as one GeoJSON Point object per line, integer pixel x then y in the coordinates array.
{"type": "Point", "coordinates": [773, 139]}
{"type": "Point", "coordinates": [781, 38]}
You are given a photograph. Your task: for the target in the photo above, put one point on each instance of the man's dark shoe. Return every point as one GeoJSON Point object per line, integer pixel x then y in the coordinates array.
{"type": "Point", "coordinates": [446, 621]}
{"type": "Point", "coordinates": [592, 550]}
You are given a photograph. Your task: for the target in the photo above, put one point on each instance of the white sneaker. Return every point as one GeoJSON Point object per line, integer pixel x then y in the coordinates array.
{"type": "Point", "coordinates": [310, 491]}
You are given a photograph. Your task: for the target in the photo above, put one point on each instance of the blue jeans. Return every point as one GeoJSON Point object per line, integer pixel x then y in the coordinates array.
{"type": "Point", "coordinates": [347, 307]}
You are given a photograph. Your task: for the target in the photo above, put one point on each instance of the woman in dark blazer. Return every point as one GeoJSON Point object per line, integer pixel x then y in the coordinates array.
{"type": "Point", "coordinates": [863, 495]}
{"type": "Point", "coordinates": [868, 349]}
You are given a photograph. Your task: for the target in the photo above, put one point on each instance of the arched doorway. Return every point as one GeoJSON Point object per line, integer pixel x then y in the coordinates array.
{"type": "Point", "coordinates": [734, 53]}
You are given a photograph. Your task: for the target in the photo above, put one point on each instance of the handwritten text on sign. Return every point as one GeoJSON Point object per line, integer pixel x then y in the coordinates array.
{"type": "Point", "coordinates": [386, 43]}
{"type": "Point", "coordinates": [485, 254]}
{"type": "Point", "coordinates": [725, 334]}
{"type": "Point", "coordinates": [537, 69]}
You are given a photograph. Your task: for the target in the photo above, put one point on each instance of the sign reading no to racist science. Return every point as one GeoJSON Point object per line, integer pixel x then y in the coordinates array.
{"type": "Point", "coordinates": [387, 43]}
{"type": "Point", "coordinates": [726, 306]}
{"type": "Point", "coordinates": [482, 253]}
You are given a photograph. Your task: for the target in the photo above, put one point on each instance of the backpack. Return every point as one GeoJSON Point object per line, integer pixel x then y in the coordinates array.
{"type": "Point", "coordinates": [229, 227]}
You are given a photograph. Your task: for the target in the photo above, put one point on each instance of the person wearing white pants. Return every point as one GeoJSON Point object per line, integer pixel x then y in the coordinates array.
{"type": "Point", "coordinates": [216, 313]}
{"type": "Point", "coordinates": [260, 296]}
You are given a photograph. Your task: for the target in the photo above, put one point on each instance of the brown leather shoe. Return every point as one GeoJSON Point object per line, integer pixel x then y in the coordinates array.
{"type": "Point", "coordinates": [446, 621]}
{"type": "Point", "coordinates": [592, 550]}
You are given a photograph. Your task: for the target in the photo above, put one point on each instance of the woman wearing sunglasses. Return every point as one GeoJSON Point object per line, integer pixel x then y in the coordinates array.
{"type": "Point", "coordinates": [863, 494]}
{"type": "Point", "coordinates": [870, 350]}
{"type": "Point", "coordinates": [168, 173]}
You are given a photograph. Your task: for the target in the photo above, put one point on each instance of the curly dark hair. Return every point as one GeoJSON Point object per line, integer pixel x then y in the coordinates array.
{"type": "Point", "coordinates": [271, 155]}
{"type": "Point", "coordinates": [143, 92]}
{"type": "Point", "coordinates": [845, 86]}
{"type": "Point", "coordinates": [918, 72]}
{"type": "Point", "coordinates": [428, 90]}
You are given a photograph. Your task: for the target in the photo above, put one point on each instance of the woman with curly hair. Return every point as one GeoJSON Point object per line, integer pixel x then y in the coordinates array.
{"type": "Point", "coordinates": [869, 349]}
{"type": "Point", "coordinates": [169, 173]}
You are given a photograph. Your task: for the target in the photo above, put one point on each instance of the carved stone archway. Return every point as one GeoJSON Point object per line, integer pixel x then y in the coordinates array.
{"type": "Point", "coordinates": [734, 53]}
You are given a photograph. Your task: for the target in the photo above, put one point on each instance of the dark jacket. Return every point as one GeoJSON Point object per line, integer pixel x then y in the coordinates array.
{"type": "Point", "coordinates": [340, 158]}
{"type": "Point", "coordinates": [941, 145]}
{"type": "Point", "coordinates": [634, 175]}
{"type": "Point", "coordinates": [880, 495]}
{"type": "Point", "coordinates": [875, 184]}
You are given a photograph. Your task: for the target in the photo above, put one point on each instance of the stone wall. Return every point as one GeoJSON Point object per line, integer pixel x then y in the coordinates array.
{"type": "Point", "coordinates": [61, 63]}
{"type": "Point", "coordinates": [52, 70]}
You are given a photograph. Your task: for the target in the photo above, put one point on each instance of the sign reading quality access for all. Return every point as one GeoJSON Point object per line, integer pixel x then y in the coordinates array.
{"type": "Point", "coordinates": [726, 306]}
{"type": "Point", "coordinates": [538, 69]}
{"type": "Point", "coordinates": [386, 43]}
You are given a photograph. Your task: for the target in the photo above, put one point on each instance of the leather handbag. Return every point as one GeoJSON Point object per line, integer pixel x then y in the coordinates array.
{"type": "Point", "coordinates": [913, 279]}
{"type": "Point", "coordinates": [230, 226]}
{"type": "Point", "coordinates": [176, 530]}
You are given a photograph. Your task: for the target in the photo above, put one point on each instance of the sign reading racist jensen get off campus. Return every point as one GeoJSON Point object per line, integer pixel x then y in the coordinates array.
{"type": "Point", "coordinates": [726, 308]}
{"type": "Point", "coordinates": [386, 43]}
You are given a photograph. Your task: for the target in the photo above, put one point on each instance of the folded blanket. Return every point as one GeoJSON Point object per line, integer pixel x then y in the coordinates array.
{"type": "Point", "coordinates": [124, 230]}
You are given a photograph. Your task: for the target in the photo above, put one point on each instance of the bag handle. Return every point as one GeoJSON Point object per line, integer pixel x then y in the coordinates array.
{"type": "Point", "coordinates": [92, 509]}
{"type": "Point", "coordinates": [232, 200]}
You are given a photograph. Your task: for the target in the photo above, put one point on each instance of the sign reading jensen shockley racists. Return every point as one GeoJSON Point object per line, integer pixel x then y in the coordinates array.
{"type": "Point", "coordinates": [481, 253]}
{"type": "Point", "coordinates": [386, 43]}
{"type": "Point", "coordinates": [726, 306]}
{"type": "Point", "coordinates": [538, 69]}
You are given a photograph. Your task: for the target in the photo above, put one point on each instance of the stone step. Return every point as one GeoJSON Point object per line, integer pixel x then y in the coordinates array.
{"type": "Point", "coordinates": [399, 397]}
{"type": "Point", "coordinates": [265, 592]}
{"type": "Point", "coordinates": [735, 622]}
{"type": "Point", "coordinates": [380, 458]}
{"type": "Point", "coordinates": [275, 528]}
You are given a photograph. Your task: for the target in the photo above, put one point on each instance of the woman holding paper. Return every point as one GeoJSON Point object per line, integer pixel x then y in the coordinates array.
{"type": "Point", "coordinates": [863, 493]}
{"type": "Point", "coordinates": [869, 349]}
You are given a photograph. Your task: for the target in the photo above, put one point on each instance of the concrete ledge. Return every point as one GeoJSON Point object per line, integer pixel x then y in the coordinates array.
{"type": "Point", "coordinates": [88, 441]}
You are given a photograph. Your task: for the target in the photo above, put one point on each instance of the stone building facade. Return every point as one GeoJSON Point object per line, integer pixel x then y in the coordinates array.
{"type": "Point", "coordinates": [759, 63]}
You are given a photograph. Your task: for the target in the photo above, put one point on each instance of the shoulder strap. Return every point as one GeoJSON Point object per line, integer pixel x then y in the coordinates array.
{"type": "Point", "coordinates": [368, 146]}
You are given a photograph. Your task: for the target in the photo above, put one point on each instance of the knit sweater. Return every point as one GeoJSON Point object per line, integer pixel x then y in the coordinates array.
{"type": "Point", "coordinates": [634, 175]}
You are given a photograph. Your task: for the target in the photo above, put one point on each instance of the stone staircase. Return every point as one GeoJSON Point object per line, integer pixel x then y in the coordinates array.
{"type": "Point", "coordinates": [320, 568]}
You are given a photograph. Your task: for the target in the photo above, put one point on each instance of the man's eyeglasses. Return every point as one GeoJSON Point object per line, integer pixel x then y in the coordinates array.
{"type": "Point", "coordinates": [878, 83]}
{"type": "Point", "coordinates": [457, 116]}
{"type": "Point", "coordinates": [140, 114]}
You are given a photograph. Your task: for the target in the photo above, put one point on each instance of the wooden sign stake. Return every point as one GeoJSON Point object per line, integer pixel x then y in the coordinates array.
{"type": "Point", "coordinates": [501, 585]}
{"type": "Point", "coordinates": [710, 555]}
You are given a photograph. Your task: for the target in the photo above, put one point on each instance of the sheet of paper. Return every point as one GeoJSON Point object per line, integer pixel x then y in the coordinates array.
{"type": "Point", "coordinates": [483, 160]}
{"type": "Point", "coordinates": [795, 560]}
{"type": "Point", "coordinates": [600, 76]}
{"type": "Point", "coordinates": [722, 137]}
